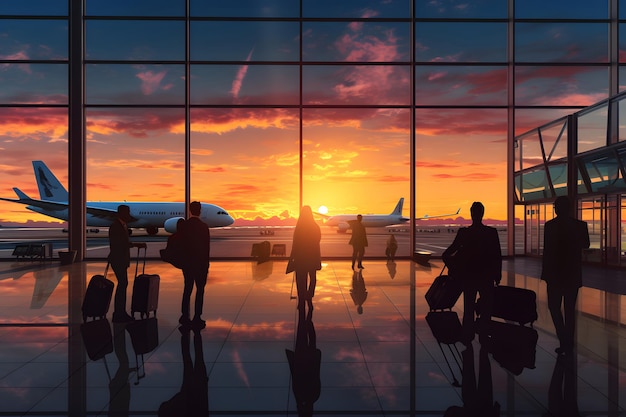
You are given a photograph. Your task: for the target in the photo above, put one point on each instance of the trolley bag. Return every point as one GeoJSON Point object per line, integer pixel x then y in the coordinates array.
{"type": "Point", "coordinates": [97, 337]}
{"type": "Point", "coordinates": [144, 337]}
{"type": "Point", "coordinates": [513, 304]}
{"type": "Point", "coordinates": [447, 330]}
{"type": "Point", "coordinates": [145, 296]}
{"type": "Point", "coordinates": [98, 296]}
{"type": "Point", "coordinates": [443, 292]}
{"type": "Point", "coordinates": [514, 347]}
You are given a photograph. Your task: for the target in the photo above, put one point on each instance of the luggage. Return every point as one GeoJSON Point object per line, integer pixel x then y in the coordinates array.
{"type": "Point", "coordinates": [145, 296]}
{"type": "Point", "coordinates": [261, 251]}
{"type": "Point", "coordinates": [444, 292]}
{"type": "Point", "coordinates": [98, 296]}
{"type": "Point", "coordinates": [144, 337]}
{"type": "Point", "coordinates": [98, 338]}
{"type": "Point", "coordinates": [446, 328]}
{"type": "Point", "coordinates": [513, 304]}
{"type": "Point", "coordinates": [514, 347]}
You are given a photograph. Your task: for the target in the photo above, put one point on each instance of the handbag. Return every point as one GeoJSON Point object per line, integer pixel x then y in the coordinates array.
{"type": "Point", "coordinates": [291, 266]}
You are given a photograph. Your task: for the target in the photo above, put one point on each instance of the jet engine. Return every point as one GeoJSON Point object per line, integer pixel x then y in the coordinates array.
{"type": "Point", "coordinates": [170, 224]}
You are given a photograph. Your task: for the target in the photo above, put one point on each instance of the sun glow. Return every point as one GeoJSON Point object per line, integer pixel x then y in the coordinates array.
{"type": "Point", "coordinates": [322, 210]}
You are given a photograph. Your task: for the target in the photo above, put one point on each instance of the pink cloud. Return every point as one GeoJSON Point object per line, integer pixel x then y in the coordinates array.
{"type": "Point", "coordinates": [150, 81]}
{"type": "Point", "coordinates": [241, 74]}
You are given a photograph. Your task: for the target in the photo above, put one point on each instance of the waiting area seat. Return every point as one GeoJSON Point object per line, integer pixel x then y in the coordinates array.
{"type": "Point", "coordinates": [32, 251]}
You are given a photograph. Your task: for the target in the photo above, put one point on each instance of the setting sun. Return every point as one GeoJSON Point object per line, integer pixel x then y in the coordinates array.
{"type": "Point", "coordinates": [322, 210]}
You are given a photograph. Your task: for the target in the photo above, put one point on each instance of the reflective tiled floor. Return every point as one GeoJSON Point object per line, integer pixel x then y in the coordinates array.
{"type": "Point", "coordinates": [384, 361]}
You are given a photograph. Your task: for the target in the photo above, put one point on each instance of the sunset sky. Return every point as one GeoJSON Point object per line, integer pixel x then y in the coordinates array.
{"type": "Point", "coordinates": [246, 159]}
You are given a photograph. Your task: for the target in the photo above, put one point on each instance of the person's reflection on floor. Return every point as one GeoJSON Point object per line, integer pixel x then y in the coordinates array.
{"type": "Point", "coordinates": [477, 397]}
{"type": "Point", "coordinates": [562, 392]}
{"type": "Point", "coordinates": [193, 398]}
{"type": "Point", "coordinates": [392, 268]}
{"type": "Point", "coordinates": [358, 291]}
{"type": "Point", "coordinates": [304, 364]}
{"type": "Point", "coordinates": [119, 386]}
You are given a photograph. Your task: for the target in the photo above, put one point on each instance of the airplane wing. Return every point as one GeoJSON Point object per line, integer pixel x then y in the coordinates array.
{"type": "Point", "coordinates": [105, 213]}
{"type": "Point", "coordinates": [426, 216]}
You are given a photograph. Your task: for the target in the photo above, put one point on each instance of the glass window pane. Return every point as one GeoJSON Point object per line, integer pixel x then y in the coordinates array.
{"type": "Point", "coordinates": [592, 127]}
{"type": "Point", "coordinates": [245, 8]}
{"type": "Point", "coordinates": [33, 39]}
{"type": "Point", "coordinates": [561, 42]}
{"type": "Point", "coordinates": [246, 161]}
{"type": "Point", "coordinates": [541, 9]}
{"type": "Point", "coordinates": [134, 84]}
{"type": "Point", "coordinates": [34, 8]}
{"type": "Point", "coordinates": [356, 42]}
{"type": "Point", "coordinates": [136, 40]}
{"type": "Point", "coordinates": [560, 86]}
{"type": "Point", "coordinates": [34, 84]}
{"type": "Point", "coordinates": [527, 119]}
{"type": "Point", "coordinates": [247, 41]}
{"type": "Point", "coordinates": [356, 84]}
{"type": "Point", "coordinates": [135, 154]}
{"type": "Point", "coordinates": [135, 8]}
{"type": "Point", "coordinates": [531, 153]}
{"type": "Point", "coordinates": [603, 170]}
{"type": "Point", "coordinates": [460, 85]}
{"type": "Point", "coordinates": [475, 9]}
{"type": "Point", "coordinates": [356, 8]}
{"type": "Point", "coordinates": [249, 84]}
{"type": "Point", "coordinates": [535, 185]}
{"type": "Point", "coordinates": [460, 42]}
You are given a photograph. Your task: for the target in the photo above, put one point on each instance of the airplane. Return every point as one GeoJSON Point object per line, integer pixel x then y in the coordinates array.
{"type": "Point", "coordinates": [147, 215]}
{"type": "Point", "coordinates": [342, 221]}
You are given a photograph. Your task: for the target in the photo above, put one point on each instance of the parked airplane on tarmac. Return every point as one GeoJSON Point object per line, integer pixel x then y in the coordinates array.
{"type": "Point", "coordinates": [342, 221]}
{"type": "Point", "coordinates": [146, 215]}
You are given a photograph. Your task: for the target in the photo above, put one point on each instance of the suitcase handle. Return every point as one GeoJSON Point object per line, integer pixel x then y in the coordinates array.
{"type": "Point", "coordinates": [143, 270]}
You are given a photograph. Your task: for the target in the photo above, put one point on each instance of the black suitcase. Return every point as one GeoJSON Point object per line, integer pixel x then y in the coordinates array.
{"type": "Point", "coordinates": [98, 296]}
{"type": "Point", "coordinates": [514, 347]}
{"type": "Point", "coordinates": [97, 337]}
{"type": "Point", "coordinates": [447, 330]}
{"type": "Point", "coordinates": [513, 304]}
{"type": "Point", "coordinates": [443, 292]}
{"type": "Point", "coordinates": [145, 296]}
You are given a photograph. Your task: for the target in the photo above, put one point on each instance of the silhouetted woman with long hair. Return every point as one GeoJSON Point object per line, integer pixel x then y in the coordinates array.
{"type": "Point", "coordinates": [305, 252]}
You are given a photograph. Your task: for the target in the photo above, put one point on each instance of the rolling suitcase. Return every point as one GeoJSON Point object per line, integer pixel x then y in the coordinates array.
{"type": "Point", "coordinates": [447, 330]}
{"type": "Point", "coordinates": [443, 292]}
{"type": "Point", "coordinates": [98, 296]}
{"type": "Point", "coordinates": [513, 304]}
{"type": "Point", "coordinates": [145, 290]}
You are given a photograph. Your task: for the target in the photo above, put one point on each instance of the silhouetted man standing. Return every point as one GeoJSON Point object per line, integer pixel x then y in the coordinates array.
{"type": "Point", "coordinates": [197, 241]}
{"type": "Point", "coordinates": [119, 258]}
{"type": "Point", "coordinates": [564, 239]}
{"type": "Point", "coordinates": [358, 241]}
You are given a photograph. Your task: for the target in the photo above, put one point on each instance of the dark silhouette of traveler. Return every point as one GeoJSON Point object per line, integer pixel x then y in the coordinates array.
{"type": "Point", "coordinates": [392, 269]}
{"type": "Point", "coordinates": [193, 397]}
{"type": "Point", "coordinates": [119, 386]}
{"type": "Point", "coordinates": [477, 396]}
{"type": "Point", "coordinates": [392, 247]}
{"type": "Point", "coordinates": [475, 259]}
{"type": "Point", "coordinates": [563, 389]}
{"type": "Point", "coordinates": [358, 292]}
{"type": "Point", "coordinates": [304, 364]}
{"type": "Point", "coordinates": [197, 242]}
{"type": "Point", "coordinates": [564, 239]}
{"type": "Point", "coordinates": [119, 258]}
{"type": "Point", "coordinates": [358, 240]}
{"type": "Point", "coordinates": [305, 253]}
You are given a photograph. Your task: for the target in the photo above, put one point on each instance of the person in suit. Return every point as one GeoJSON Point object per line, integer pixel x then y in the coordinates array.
{"type": "Point", "coordinates": [564, 239]}
{"type": "Point", "coordinates": [306, 255]}
{"type": "Point", "coordinates": [475, 258]}
{"type": "Point", "coordinates": [119, 258]}
{"type": "Point", "coordinates": [358, 240]}
{"type": "Point", "coordinates": [197, 243]}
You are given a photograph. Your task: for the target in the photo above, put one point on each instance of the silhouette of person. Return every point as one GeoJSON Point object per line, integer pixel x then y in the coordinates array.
{"type": "Point", "coordinates": [564, 239]}
{"type": "Point", "coordinates": [562, 392]}
{"type": "Point", "coordinates": [119, 386]}
{"type": "Point", "coordinates": [392, 247]}
{"type": "Point", "coordinates": [119, 258]}
{"type": "Point", "coordinates": [475, 258]}
{"type": "Point", "coordinates": [197, 242]}
{"type": "Point", "coordinates": [193, 397]}
{"type": "Point", "coordinates": [305, 252]}
{"type": "Point", "coordinates": [477, 397]}
{"type": "Point", "coordinates": [304, 364]}
{"type": "Point", "coordinates": [358, 292]}
{"type": "Point", "coordinates": [358, 240]}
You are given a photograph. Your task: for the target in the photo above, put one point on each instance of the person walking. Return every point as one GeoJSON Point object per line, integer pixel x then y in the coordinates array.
{"type": "Point", "coordinates": [475, 259]}
{"type": "Point", "coordinates": [197, 242]}
{"type": "Point", "coordinates": [306, 256]}
{"type": "Point", "coordinates": [358, 240]}
{"type": "Point", "coordinates": [563, 241]}
{"type": "Point", "coordinates": [119, 258]}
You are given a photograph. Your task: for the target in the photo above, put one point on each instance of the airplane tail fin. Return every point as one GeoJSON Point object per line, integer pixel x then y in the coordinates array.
{"type": "Point", "coordinates": [398, 210]}
{"type": "Point", "coordinates": [50, 188]}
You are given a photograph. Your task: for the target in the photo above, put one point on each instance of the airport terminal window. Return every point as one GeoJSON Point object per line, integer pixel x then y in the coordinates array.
{"type": "Point", "coordinates": [34, 39]}
{"type": "Point", "coordinates": [135, 8]}
{"type": "Point", "coordinates": [355, 8]}
{"type": "Point", "coordinates": [38, 84]}
{"type": "Point", "coordinates": [245, 8]}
